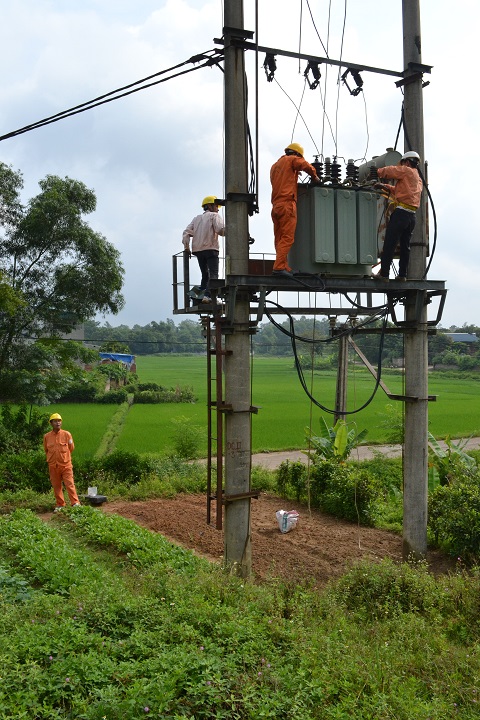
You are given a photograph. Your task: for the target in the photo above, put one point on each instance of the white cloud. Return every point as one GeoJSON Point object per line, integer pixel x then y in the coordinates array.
{"type": "Point", "coordinates": [152, 156]}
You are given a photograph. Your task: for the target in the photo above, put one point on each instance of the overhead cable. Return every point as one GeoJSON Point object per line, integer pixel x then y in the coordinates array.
{"type": "Point", "coordinates": [209, 58]}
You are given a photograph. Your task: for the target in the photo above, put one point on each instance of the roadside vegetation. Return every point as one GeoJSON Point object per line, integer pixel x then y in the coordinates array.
{"type": "Point", "coordinates": [103, 619]}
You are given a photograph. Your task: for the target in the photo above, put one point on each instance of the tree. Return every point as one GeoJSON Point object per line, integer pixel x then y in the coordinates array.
{"type": "Point", "coordinates": [56, 273]}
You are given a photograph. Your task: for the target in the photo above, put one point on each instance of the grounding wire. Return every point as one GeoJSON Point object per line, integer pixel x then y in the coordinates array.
{"type": "Point", "coordinates": [298, 109]}
{"type": "Point", "coordinates": [113, 94]}
{"type": "Point", "coordinates": [299, 113]}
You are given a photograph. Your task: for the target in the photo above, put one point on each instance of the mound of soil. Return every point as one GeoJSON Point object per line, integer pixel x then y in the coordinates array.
{"type": "Point", "coordinates": [318, 549]}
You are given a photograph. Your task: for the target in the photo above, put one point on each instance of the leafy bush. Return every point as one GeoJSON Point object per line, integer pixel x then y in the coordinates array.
{"type": "Point", "coordinates": [113, 397]}
{"type": "Point", "coordinates": [385, 590]}
{"type": "Point", "coordinates": [164, 395]}
{"type": "Point", "coordinates": [454, 517]}
{"type": "Point", "coordinates": [187, 438]}
{"type": "Point", "coordinates": [21, 429]}
{"type": "Point", "coordinates": [344, 491]}
{"type": "Point", "coordinates": [127, 467]}
{"type": "Point", "coordinates": [24, 470]}
{"type": "Point", "coordinates": [80, 392]}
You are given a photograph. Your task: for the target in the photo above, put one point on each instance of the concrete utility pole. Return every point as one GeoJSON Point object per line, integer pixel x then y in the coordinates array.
{"type": "Point", "coordinates": [415, 467]}
{"type": "Point", "coordinates": [237, 543]}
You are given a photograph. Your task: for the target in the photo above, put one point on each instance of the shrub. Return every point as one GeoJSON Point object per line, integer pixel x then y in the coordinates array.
{"type": "Point", "coordinates": [385, 590]}
{"type": "Point", "coordinates": [21, 429]}
{"type": "Point", "coordinates": [114, 397]}
{"type": "Point", "coordinates": [80, 392]}
{"type": "Point", "coordinates": [127, 467]}
{"type": "Point", "coordinates": [187, 438]}
{"type": "Point", "coordinates": [454, 517]}
{"type": "Point", "coordinates": [19, 471]}
{"type": "Point", "coordinates": [164, 395]}
{"type": "Point", "coordinates": [344, 491]}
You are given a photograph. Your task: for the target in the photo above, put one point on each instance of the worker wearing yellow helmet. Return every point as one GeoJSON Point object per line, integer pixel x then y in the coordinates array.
{"type": "Point", "coordinates": [405, 196]}
{"type": "Point", "coordinates": [58, 445]}
{"type": "Point", "coordinates": [204, 230]}
{"type": "Point", "coordinates": [284, 178]}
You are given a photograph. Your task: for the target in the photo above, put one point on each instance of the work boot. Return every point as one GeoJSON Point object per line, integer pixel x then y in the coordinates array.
{"type": "Point", "coordinates": [282, 273]}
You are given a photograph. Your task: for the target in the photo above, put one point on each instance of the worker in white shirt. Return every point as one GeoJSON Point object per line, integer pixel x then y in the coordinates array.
{"type": "Point", "coordinates": [204, 230]}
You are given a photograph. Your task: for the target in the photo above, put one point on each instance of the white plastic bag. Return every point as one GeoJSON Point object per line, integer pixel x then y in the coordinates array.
{"type": "Point", "coordinates": [287, 519]}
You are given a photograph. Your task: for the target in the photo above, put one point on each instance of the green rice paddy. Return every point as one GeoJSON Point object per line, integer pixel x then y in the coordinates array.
{"type": "Point", "coordinates": [285, 411]}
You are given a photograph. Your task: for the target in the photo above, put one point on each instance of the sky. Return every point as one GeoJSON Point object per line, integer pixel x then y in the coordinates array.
{"type": "Point", "coordinates": [151, 157]}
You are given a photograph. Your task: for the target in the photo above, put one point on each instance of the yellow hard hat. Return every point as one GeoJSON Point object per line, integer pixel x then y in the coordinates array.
{"type": "Point", "coordinates": [296, 148]}
{"type": "Point", "coordinates": [55, 416]}
{"type": "Point", "coordinates": [209, 200]}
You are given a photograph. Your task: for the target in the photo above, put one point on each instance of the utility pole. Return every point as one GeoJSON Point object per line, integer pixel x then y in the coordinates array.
{"type": "Point", "coordinates": [237, 538]}
{"type": "Point", "coordinates": [415, 467]}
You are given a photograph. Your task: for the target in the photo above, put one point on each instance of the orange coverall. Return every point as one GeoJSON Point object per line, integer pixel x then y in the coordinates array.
{"type": "Point", "coordinates": [58, 448]}
{"type": "Point", "coordinates": [284, 177]}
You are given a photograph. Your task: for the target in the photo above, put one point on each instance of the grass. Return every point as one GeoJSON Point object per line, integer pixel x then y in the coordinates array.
{"type": "Point", "coordinates": [285, 410]}
{"type": "Point", "coordinates": [102, 619]}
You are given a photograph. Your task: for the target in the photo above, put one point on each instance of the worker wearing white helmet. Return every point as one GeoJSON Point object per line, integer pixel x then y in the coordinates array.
{"type": "Point", "coordinates": [204, 230]}
{"type": "Point", "coordinates": [405, 196]}
{"type": "Point", "coordinates": [284, 178]}
{"type": "Point", "coordinates": [58, 446]}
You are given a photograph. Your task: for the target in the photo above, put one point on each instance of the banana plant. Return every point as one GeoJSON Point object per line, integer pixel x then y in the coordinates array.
{"type": "Point", "coordinates": [448, 463]}
{"type": "Point", "coordinates": [337, 442]}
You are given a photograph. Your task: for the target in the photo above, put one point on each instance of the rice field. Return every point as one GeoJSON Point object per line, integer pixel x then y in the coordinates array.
{"type": "Point", "coordinates": [285, 411]}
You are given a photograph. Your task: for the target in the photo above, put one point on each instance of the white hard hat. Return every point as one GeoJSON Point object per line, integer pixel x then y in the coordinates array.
{"type": "Point", "coordinates": [411, 155]}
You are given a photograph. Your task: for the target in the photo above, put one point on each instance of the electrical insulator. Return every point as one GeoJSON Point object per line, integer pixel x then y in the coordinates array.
{"type": "Point", "coordinates": [328, 170]}
{"type": "Point", "coordinates": [373, 174]}
{"type": "Point", "coordinates": [335, 172]}
{"type": "Point", "coordinates": [352, 171]}
{"type": "Point", "coordinates": [318, 166]}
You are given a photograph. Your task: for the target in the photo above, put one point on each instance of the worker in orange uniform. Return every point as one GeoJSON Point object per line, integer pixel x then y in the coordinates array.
{"type": "Point", "coordinates": [58, 446]}
{"type": "Point", "coordinates": [284, 177]}
{"type": "Point", "coordinates": [406, 195]}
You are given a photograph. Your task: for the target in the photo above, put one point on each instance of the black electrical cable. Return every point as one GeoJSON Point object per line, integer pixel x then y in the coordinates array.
{"type": "Point", "coordinates": [316, 30]}
{"type": "Point", "coordinates": [432, 205]}
{"type": "Point", "coordinates": [302, 378]}
{"type": "Point", "coordinates": [113, 95]}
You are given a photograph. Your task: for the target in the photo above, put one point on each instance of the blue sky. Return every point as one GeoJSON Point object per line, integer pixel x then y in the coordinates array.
{"type": "Point", "coordinates": [153, 156]}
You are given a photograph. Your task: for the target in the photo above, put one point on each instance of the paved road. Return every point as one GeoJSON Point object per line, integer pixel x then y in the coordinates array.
{"type": "Point", "coordinates": [365, 452]}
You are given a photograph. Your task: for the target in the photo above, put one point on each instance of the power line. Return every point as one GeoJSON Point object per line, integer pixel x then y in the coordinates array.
{"type": "Point", "coordinates": [210, 58]}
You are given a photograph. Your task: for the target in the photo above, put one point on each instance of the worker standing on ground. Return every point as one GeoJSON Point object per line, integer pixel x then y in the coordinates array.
{"type": "Point", "coordinates": [204, 231]}
{"type": "Point", "coordinates": [58, 446]}
{"type": "Point", "coordinates": [406, 195]}
{"type": "Point", "coordinates": [284, 178]}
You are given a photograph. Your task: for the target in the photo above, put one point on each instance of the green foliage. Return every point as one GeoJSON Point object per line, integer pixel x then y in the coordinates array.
{"type": "Point", "coordinates": [386, 590]}
{"type": "Point", "coordinates": [21, 428]}
{"type": "Point", "coordinates": [344, 491]}
{"type": "Point", "coordinates": [112, 397]}
{"type": "Point", "coordinates": [60, 272]}
{"type": "Point", "coordinates": [124, 624]}
{"type": "Point", "coordinates": [13, 589]}
{"type": "Point", "coordinates": [126, 467]}
{"type": "Point", "coordinates": [450, 463]}
{"type": "Point", "coordinates": [392, 423]}
{"type": "Point", "coordinates": [336, 442]}
{"type": "Point", "coordinates": [187, 438]}
{"type": "Point", "coordinates": [454, 517]}
{"type": "Point", "coordinates": [24, 470]}
{"type": "Point", "coordinates": [165, 395]}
